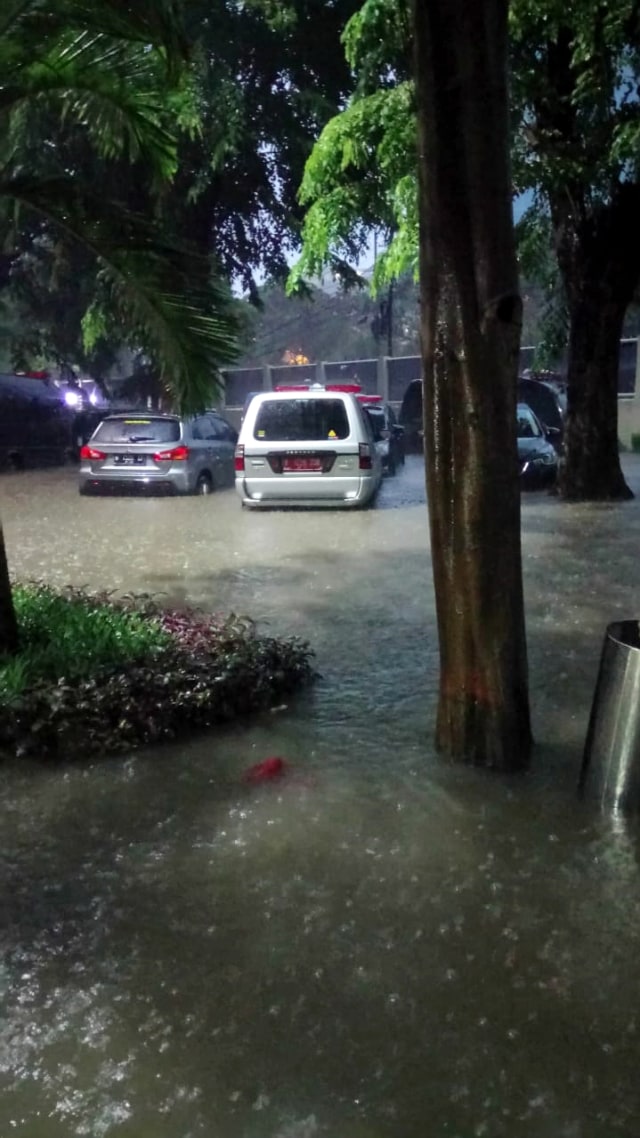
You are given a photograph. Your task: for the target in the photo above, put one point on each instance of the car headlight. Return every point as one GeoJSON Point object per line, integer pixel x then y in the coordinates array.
{"type": "Point", "coordinates": [545, 458]}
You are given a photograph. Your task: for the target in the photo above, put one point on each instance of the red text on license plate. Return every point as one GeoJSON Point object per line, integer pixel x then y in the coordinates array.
{"type": "Point", "coordinates": [303, 463]}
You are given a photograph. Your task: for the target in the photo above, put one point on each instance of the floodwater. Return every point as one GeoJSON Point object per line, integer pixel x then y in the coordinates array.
{"type": "Point", "coordinates": [382, 947]}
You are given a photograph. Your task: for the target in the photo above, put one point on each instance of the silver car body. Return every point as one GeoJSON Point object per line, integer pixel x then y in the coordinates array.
{"type": "Point", "coordinates": [311, 447]}
{"type": "Point", "coordinates": [150, 452]}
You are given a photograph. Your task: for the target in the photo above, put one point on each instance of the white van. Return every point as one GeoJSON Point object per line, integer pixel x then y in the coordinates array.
{"type": "Point", "coordinates": [307, 446]}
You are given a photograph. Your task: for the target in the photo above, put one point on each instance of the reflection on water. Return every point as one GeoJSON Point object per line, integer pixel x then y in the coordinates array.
{"type": "Point", "coordinates": [381, 947]}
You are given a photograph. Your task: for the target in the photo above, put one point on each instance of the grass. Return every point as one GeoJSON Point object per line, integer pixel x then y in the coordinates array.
{"type": "Point", "coordinates": [72, 635]}
{"type": "Point", "coordinates": [97, 675]}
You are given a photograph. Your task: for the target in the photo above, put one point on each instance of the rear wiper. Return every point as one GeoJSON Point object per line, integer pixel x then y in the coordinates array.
{"type": "Point", "coordinates": [141, 439]}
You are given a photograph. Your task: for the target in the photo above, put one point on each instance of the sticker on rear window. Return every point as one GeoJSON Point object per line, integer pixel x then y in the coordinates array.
{"type": "Point", "coordinates": [332, 435]}
{"type": "Point", "coordinates": [138, 422]}
{"type": "Point", "coordinates": [260, 434]}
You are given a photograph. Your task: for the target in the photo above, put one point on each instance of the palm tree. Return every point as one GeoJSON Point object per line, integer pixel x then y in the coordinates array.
{"type": "Point", "coordinates": [115, 72]}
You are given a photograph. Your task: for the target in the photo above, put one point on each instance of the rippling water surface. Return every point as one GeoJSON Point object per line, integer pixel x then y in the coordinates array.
{"type": "Point", "coordinates": [382, 947]}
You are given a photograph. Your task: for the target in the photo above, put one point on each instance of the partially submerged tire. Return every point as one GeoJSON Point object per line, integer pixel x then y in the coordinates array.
{"type": "Point", "coordinates": [204, 485]}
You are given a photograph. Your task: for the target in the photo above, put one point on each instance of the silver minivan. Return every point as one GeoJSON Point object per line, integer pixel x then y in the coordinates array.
{"type": "Point", "coordinates": [148, 451]}
{"type": "Point", "coordinates": [309, 446]}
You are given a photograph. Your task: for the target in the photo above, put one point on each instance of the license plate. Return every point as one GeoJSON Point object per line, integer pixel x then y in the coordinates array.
{"type": "Point", "coordinates": [129, 459]}
{"type": "Point", "coordinates": [313, 465]}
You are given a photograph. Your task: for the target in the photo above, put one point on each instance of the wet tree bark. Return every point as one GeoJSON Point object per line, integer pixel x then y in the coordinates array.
{"type": "Point", "coordinates": [470, 324]}
{"type": "Point", "coordinates": [8, 623]}
{"type": "Point", "coordinates": [599, 258]}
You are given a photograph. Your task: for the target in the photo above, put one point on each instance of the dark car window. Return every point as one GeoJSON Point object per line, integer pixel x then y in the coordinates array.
{"type": "Point", "coordinates": [217, 428]}
{"type": "Point", "coordinates": [200, 429]}
{"type": "Point", "coordinates": [223, 430]}
{"type": "Point", "coordinates": [206, 427]}
{"type": "Point", "coordinates": [376, 417]}
{"type": "Point", "coordinates": [138, 429]}
{"type": "Point", "coordinates": [306, 420]}
{"type": "Point", "coordinates": [543, 400]}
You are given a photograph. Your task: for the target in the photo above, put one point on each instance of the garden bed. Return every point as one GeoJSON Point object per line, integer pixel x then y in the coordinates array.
{"type": "Point", "coordinates": [100, 675]}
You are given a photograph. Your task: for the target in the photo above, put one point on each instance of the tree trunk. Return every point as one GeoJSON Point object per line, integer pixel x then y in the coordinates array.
{"type": "Point", "coordinates": [470, 328]}
{"type": "Point", "coordinates": [8, 623]}
{"type": "Point", "coordinates": [590, 466]}
{"type": "Point", "coordinates": [599, 258]}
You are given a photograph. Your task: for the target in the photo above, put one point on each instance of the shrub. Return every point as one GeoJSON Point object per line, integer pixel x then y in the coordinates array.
{"type": "Point", "coordinates": [71, 634]}
{"type": "Point", "coordinates": [160, 674]}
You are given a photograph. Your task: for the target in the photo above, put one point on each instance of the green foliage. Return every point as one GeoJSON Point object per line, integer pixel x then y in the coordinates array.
{"type": "Point", "coordinates": [268, 74]}
{"type": "Point", "coordinates": [575, 71]}
{"type": "Point", "coordinates": [263, 79]}
{"type": "Point", "coordinates": [538, 265]}
{"type": "Point", "coordinates": [70, 635]}
{"type": "Point", "coordinates": [100, 676]}
{"type": "Point", "coordinates": [361, 175]}
{"type": "Point", "coordinates": [110, 83]}
{"type": "Point", "coordinates": [378, 44]}
{"type": "Point", "coordinates": [576, 136]}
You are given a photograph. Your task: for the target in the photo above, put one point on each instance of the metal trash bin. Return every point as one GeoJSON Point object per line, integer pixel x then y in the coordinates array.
{"type": "Point", "coordinates": [611, 762]}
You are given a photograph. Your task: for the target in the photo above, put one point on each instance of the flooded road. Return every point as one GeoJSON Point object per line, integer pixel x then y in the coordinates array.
{"type": "Point", "coordinates": [382, 948]}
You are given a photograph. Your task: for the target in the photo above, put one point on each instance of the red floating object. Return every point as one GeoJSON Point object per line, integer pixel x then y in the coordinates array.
{"type": "Point", "coordinates": [266, 771]}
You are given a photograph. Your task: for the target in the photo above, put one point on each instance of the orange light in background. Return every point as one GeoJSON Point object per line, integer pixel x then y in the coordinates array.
{"type": "Point", "coordinates": [294, 357]}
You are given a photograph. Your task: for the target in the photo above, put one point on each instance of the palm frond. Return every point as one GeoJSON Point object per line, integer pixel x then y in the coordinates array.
{"type": "Point", "coordinates": [160, 290]}
{"type": "Point", "coordinates": [146, 22]}
{"type": "Point", "coordinates": [110, 89]}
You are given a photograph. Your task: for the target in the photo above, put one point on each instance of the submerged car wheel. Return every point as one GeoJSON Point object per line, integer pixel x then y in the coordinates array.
{"type": "Point", "coordinates": [204, 485]}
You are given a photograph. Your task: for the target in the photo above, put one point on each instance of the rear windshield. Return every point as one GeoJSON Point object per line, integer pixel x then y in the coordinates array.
{"type": "Point", "coordinates": [138, 430]}
{"type": "Point", "coordinates": [306, 420]}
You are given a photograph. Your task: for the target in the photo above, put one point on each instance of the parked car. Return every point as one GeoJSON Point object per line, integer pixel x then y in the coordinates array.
{"type": "Point", "coordinates": [536, 455]}
{"type": "Point", "coordinates": [307, 446]}
{"type": "Point", "coordinates": [387, 432]}
{"type": "Point", "coordinates": [548, 403]}
{"type": "Point", "coordinates": [411, 418]}
{"type": "Point", "coordinates": [146, 451]}
{"type": "Point", "coordinates": [85, 423]}
{"type": "Point", "coordinates": [36, 425]}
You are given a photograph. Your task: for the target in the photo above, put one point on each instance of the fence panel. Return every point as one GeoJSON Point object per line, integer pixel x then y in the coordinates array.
{"type": "Point", "coordinates": [240, 382]}
{"type": "Point", "coordinates": [293, 373]}
{"type": "Point", "coordinates": [364, 372]}
{"type": "Point", "coordinates": [402, 371]}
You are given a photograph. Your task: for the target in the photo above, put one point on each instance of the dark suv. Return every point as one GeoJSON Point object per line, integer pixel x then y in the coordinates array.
{"type": "Point", "coordinates": [548, 403]}
{"type": "Point", "coordinates": [546, 400]}
{"type": "Point", "coordinates": [387, 432]}
{"type": "Point", "coordinates": [411, 417]}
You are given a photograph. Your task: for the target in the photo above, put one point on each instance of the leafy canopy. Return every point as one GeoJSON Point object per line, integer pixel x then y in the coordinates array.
{"type": "Point", "coordinates": [113, 75]}
{"type": "Point", "coordinates": [575, 121]}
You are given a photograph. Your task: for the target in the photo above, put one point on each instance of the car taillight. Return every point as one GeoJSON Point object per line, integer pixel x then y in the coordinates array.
{"type": "Point", "coordinates": [92, 454]}
{"type": "Point", "coordinates": [239, 459]}
{"type": "Point", "coordinates": [364, 456]}
{"type": "Point", "coordinates": [177, 454]}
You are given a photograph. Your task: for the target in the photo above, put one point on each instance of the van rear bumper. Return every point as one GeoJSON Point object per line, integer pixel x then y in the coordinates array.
{"type": "Point", "coordinates": [333, 494]}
